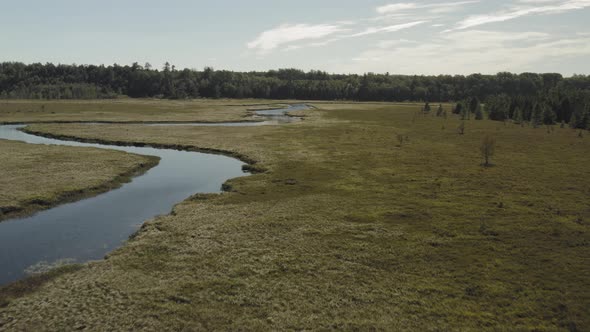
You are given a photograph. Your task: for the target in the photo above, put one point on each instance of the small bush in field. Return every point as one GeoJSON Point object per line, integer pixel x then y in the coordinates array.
{"type": "Point", "coordinates": [461, 128]}
{"type": "Point", "coordinates": [487, 149]}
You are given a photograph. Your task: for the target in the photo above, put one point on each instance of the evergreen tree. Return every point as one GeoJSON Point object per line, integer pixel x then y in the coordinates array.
{"type": "Point", "coordinates": [574, 121]}
{"type": "Point", "coordinates": [549, 116]}
{"type": "Point", "coordinates": [465, 114]}
{"type": "Point", "coordinates": [479, 114]}
{"type": "Point", "coordinates": [537, 115]}
{"type": "Point", "coordinates": [498, 107]}
{"type": "Point", "coordinates": [473, 104]}
{"type": "Point", "coordinates": [585, 122]}
{"type": "Point", "coordinates": [458, 109]}
{"type": "Point", "coordinates": [565, 96]}
{"type": "Point", "coordinates": [518, 117]}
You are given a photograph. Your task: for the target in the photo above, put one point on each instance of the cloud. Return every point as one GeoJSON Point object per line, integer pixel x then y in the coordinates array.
{"type": "Point", "coordinates": [291, 37]}
{"type": "Point", "coordinates": [434, 7]}
{"type": "Point", "coordinates": [465, 52]}
{"type": "Point", "coordinates": [459, 49]}
{"type": "Point", "coordinates": [540, 7]}
{"type": "Point", "coordinates": [391, 28]}
{"type": "Point", "coordinates": [396, 7]}
{"type": "Point", "coordinates": [286, 33]}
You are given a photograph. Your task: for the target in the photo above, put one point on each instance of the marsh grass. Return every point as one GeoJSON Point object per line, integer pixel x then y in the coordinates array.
{"type": "Point", "coordinates": [341, 233]}
{"type": "Point", "coordinates": [44, 267]}
{"type": "Point", "coordinates": [32, 283]}
{"type": "Point", "coordinates": [129, 110]}
{"type": "Point", "coordinates": [36, 177]}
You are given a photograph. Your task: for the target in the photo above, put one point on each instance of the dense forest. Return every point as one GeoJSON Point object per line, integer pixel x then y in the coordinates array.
{"type": "Point", "coordinates": [506, 95]}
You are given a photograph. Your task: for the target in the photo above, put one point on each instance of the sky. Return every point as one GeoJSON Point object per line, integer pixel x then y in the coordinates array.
{"type": "Point", "coordinates": [339, 36]}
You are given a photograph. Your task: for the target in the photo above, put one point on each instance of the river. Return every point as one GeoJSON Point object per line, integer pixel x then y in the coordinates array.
{"type": "Point", "coordinates": [90, 228]}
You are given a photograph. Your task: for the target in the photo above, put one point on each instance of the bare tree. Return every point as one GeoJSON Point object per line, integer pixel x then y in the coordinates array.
{"type": "Point", "coordinates": [461, 128]}
{"type": "Point", "coordinates": [487, 148]}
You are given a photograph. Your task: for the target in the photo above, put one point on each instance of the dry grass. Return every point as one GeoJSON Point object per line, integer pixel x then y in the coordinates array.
{"type": "Point", "coordinates": [348, 231]}
{"type": "Point", "coordinates": [127, 110]}
{"type": "Point", "coordinates": [36, 177]}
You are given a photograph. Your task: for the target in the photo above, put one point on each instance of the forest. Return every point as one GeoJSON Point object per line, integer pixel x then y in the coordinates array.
{"type": "Point", "coordinates": [544, 98]}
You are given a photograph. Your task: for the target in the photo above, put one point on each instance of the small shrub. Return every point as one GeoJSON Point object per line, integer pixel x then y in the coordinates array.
{"type": "Point", "coordinates": [440, 110]}
{"type": "Point", "coordinates": [426, 109]}
{"type": "Point", "coordinates": [227, 187]}
{"type": "Point", "coordinates": [487, 149]}
{"type": "Point", "coordinates": [461, 128]}
{"type": "Point", "coordinates": [478, 114]}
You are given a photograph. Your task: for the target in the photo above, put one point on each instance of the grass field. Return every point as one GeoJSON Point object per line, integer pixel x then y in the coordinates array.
{"type": "Point", "coordinates": [126, 110]}
{"type": "Point", "coordinates": [36, 177]}
{"type": "Point", "coordinates": [347, 230]}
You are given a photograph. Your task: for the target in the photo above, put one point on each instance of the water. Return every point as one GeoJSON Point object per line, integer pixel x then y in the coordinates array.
{"type": "Point", "coordinates": [90, 228]}
{"type": "Point", "coordinates": [272, 117]}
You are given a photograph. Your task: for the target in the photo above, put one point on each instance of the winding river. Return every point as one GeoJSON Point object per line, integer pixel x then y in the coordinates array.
{"type": "Point", "coordinates": [89, 229]}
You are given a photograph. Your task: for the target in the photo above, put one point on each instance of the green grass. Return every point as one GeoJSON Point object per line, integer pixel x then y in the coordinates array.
{"type": "Point", "coordinates": [346, 230]}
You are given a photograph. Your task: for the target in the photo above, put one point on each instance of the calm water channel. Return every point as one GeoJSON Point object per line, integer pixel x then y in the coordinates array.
{"type": "Point", "coordinates": [88, 229]}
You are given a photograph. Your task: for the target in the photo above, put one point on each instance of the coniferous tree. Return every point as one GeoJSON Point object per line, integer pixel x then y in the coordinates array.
{"type": "Point", "coordinates": [426, 108]}
{"type": "Point", "coordinates": [498, 107]}
{"type": "Point", "coordinates": [566, 97]}
{"type": "Point", "coordinates": [465, 113]}
{"type": "Point", "coordinates": [479, 114]}
{"type": "Point", "coordinates": [458, 109]}
{"type": "Point", "coordinates": [537, 115]}
{"type": "Point", "coordinates": [473, 104]}
{"type": "Point", "coordinates": [518, 117]}
{"type": "Point", "coordinates": [549, 116]}
{"type": "Point", "coordinates": [574, 121]}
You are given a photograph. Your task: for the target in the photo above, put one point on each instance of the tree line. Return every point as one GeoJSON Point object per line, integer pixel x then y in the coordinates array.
{"type": "Point", "coordinates": [506, 95]}
{"type": "Point", "coordinates": [548, 108]}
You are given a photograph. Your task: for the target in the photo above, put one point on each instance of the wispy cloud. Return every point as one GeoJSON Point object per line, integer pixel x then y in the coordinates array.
{"type": "Point", "coordinates": [465, 52]}
{"type": "Point", "coordinates": [396, 7]}
{"type": "Point", "coordinates": [391, 28]}
{"type": "Point", "coordinates": [527, 7]}
{"type": "Point", "coordinates": [293, 37]}
{"type": "Point", "coordinates": [285, 34]}
{"type": "Point", "coordinates": [461, 48]}
{"type": "Point", "coordinates": [434, 7]}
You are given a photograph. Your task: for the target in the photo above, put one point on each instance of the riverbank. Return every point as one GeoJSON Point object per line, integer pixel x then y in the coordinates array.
{"type": "Point", "coordinates": [347, 229]}
{"type": "Point", "coordinates": [39, 177]}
